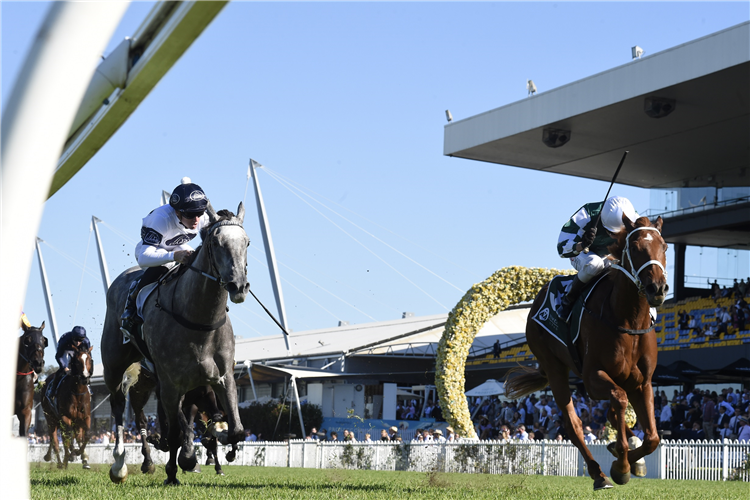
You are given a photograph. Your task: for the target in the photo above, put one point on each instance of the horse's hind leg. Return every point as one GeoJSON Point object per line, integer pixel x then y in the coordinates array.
{"type": "Point", "coordinates": [558, 381]}
{"type": "Point", "coordinates": [139, 395]}
{"type": "Point", "coordinates": [643, 404]}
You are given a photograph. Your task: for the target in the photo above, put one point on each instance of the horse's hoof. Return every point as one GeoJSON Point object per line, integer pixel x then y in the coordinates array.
{"type": "Point", "coordinates": [147, 468]}
{"type": "Point", "coordinates": [171, 482]}
{"type": "Point", "coordinates": [639, 470]}
{"type": "Point", "coordinates": [220, 472]}
{"type": "Point", "coordinates": [117, 479]}
{"type": "Point", "coordinates": [602, 483]}
{"type": "Point", "coordinates": [86, 465]}
{"type": "Point", "coordinates": [231, 455]}
{"type": "Point", "coordinates": [47, 457]}
{"type": "Point", "coordinates": [188, 463]}
{"type": "Point", "coordinates": [612, 448]}
{"type": "Point", "coordinates": [618, 476]}
{"type": "Point", "coordinates": [209, 461]}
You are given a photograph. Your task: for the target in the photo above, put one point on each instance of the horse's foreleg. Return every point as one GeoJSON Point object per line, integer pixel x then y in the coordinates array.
{"type": "Point", "coordinates": [227, 392]}
{"type": "Point", "coordinates": [558, 381]}
{"type": "Point", "coordinates": [620, 470]}
{"type": "Point", "coordinates": [643, 404]}
{"type": "Point", "coordinates": [187, 459]}
{"type": "Point", "coordinates": [172, 406]}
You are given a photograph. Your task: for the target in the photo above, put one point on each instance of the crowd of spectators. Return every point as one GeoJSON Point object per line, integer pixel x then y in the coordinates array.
{"type": "Point", "coordinates": [693, 415]}
{"type": "Point", "coordinates": [702, 415]}
{"type": "Point", "coordinates": [738, 290]}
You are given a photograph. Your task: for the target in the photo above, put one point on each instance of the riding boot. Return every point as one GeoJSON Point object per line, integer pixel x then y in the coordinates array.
{"type": "Point", "coordinates": [570, 298]}
{"type": "Point", "coordinates": [129, 318]}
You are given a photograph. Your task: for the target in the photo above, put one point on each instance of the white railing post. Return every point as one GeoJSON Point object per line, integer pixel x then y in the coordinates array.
{"type": "Point", "coordinates": [724, 460]}
{"type": "Point", "coordinates": [662, 451]}
{"type": "Point", "coordinates": [544, 457]}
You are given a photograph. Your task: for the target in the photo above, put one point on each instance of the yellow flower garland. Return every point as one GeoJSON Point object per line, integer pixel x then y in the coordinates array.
{"type": "Point", "coordinates": [506, 287]}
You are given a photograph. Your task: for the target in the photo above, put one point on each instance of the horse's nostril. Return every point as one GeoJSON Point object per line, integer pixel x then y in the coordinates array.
{"type": "Point", "coordinates": [232, 287]}
{"type": "Point", "coordinates": [651, 289]}
{"type": "Point", "coordinates": [247, 287]}
{"type": "Point", "coordinates": [666, 288]}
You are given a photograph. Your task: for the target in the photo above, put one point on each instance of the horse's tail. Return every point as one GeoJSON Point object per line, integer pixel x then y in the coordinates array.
{"type": "Point", "coordinates": [130, 377]}
{"type": "Point", "coordinates": [527, 381]}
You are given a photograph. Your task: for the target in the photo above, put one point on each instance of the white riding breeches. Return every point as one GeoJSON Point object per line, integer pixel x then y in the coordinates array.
{"type": "Point", "coordinates": [589, 265]}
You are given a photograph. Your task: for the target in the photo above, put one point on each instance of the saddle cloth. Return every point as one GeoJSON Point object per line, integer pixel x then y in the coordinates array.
{"type": "Point", "coordinates": [548, 318]}
{"type": "Point", "coordinates": [142, 296]}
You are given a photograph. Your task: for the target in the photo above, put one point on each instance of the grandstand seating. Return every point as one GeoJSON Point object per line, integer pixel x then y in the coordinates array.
{"type": "Point", "coordinates": [668, 335]}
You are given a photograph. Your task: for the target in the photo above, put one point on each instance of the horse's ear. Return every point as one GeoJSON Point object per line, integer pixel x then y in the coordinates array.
{"type": "Point", "coordinates": [42, 327]}
{"type": "Point", "coordinates": [241, 212]}
{"type": "Point", "coordinates": [212, 217]}
{"type": "Point", "coordinates": [629, 226]}
{"type": "Point", "coordinates": [24, 327]}
{"type": "Point", "coordinates": [659, 222]}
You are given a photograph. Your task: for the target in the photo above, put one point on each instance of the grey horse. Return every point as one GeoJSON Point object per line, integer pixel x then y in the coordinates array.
{"type": "Point", "coordinates": [189, 337]}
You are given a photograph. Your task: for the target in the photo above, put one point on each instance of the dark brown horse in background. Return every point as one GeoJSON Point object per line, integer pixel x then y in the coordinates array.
{"type": "Point", "coordinates": [617, 349]}
{"type": "Point", "coordinates": [72, 413]}
{"type": "Point", "coordinates": [30, 364]}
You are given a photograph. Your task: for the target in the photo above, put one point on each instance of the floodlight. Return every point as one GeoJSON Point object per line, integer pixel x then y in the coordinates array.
{"type": "Point", "coordinates": [555, 138]}
{"type": "Point", "coordinates": [658, 107]}
{"type": "Point", "coordinates": [448, 115]}
{"type": "Point", "coordinates": [637, 52]}
{"type": "Point", "coordinates": [531, 87]}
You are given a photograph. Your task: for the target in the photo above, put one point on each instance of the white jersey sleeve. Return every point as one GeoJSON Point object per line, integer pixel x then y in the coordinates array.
{"type": "Point", "coordinates": [162, 235]}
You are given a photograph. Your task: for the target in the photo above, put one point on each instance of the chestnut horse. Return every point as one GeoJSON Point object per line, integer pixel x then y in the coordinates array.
{"type": "Point", "coordinates": [72, 413]}
{"type": "Point", "coordinates": [30, 364]}
{"type": "Point", "coordinates": [617, 349]}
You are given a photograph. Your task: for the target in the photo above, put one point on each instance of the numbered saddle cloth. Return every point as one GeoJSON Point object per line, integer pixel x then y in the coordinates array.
{"type": "Point", "coordinates": [548, 317]}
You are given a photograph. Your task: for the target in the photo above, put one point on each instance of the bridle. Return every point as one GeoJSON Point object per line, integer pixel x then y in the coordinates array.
{"type": "Point", "coordinates": [208, 245]}
{"type": "Point", "coordinates": [212, 268]}
{"type": "Point", "coordinates": [25, 356]}
{"type": "Point", "coordinates": [635, 276]}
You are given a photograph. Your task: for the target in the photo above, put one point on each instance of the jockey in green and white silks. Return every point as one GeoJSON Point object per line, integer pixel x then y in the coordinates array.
{"type": "Point", "coordinates": [580, 233]}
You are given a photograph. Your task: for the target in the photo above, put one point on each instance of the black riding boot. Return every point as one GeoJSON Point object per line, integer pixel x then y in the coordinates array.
{"type": "Point", "coordinates": [570, 298]}
{"type": "Point", "coordinates": [129, 318]}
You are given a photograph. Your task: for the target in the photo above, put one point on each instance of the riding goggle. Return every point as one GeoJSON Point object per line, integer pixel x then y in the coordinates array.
{"type": "Point", "coordinates": [192, 215]}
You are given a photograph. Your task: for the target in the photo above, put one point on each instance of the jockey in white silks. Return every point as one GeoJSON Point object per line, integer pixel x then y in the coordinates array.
{"type": "Point", "coordinates": [165, 234]}
{"type": "Point", "coordinates": [580, 232]}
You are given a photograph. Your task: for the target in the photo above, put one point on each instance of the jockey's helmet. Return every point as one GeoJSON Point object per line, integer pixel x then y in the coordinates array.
{"type": "Point", "coordinates": [613, 210]}
{"type": "Point", "coordinates": [79, 332]}
{"type": "Point", "coordinates": [189, 199]}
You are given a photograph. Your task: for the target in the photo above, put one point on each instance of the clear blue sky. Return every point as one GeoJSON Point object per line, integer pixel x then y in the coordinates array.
{"type": "Point", "coordinates": [347, 100]}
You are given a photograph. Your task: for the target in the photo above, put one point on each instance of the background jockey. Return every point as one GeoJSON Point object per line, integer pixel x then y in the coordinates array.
{"type": "Point", "coordinates": [580, 232]}
{"type": "Point", "coordinates": [74, 340]}
{"type": "Point", "coordinates": [165, 234]}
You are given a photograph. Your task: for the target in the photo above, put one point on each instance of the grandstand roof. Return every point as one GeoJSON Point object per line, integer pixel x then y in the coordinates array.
{"type": "Point", "coordinates": [704, 142]}
{"type": "Point", "coordinates": [417, 335]}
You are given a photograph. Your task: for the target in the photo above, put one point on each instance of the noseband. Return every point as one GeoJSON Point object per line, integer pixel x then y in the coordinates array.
{"type": "Point", "coordinates": [634, 276]}
{"type": "Point", "coordinates": [208, 246]}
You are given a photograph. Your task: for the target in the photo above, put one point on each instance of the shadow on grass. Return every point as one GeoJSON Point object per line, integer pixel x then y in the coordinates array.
{"type": "Point", "coordinates": [56, 481]}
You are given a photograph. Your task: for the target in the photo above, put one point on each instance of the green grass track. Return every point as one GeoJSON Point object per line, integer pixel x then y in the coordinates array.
{"type": "Point", "coordinates": [48, 482]}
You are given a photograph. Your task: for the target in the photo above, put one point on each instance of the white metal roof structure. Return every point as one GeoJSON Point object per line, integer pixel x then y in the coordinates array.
{"type": "Point", "coordinates": [417, 336]}
{"type": "Point", "coordinates": [702, 142]}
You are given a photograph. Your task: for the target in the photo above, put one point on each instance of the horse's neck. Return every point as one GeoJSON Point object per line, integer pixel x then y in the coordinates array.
{"type": "Point", "coordinates": [629, 308]}
{"type": "Point", "coordinates": [22, 365]}
{"type": "Point", "coordinates": [198, 297]}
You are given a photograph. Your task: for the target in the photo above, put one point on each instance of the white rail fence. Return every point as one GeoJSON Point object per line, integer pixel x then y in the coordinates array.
{"type": "Point", "coordinates": [706, 460]}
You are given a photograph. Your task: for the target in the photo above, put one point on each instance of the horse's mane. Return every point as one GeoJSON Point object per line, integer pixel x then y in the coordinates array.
{"type": "Point", "coordinates": [616, 248]}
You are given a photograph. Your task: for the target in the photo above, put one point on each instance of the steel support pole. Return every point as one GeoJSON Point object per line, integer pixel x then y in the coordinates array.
{"type": "Point", "coordinates": [47, 294]}
{"type": "Point", "coordinates": [102, 259]}
{"type": "Point", "coordinates": [270, 254]}
{"type": "Point", "coordinates": [299, 407]}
